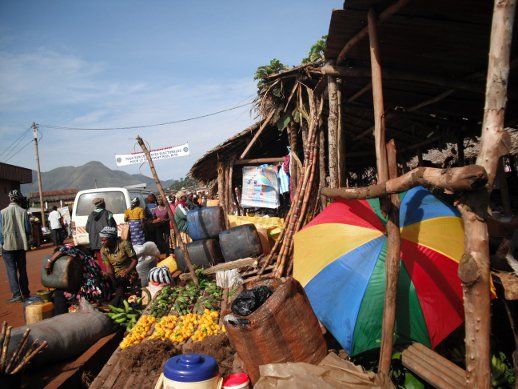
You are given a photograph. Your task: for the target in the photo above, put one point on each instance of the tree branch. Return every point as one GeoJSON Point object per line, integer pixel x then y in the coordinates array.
{"type": "Point", "coordinates": [463, 178]}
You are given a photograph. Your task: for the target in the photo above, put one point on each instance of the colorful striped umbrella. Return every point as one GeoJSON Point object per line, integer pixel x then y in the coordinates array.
{"type": "Point", "coordinates": [340, 260]}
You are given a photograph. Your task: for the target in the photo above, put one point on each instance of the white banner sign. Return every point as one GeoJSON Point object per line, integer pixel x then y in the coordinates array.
{"type": "Point", "coordinates": [163, 153]}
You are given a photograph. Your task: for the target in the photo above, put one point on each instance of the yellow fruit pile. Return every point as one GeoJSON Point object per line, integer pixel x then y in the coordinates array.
{"type": "Point", "coordinates": [139, 332]}
{"type": "Point", "coordinates": [164, 327]}
{"type": "Point", "coordinates": [175, 329]}
{"type": "Point", "coordinates": [207, 325]}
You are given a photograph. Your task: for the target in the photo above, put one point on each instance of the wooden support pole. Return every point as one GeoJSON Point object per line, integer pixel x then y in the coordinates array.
{"type": "Point", "coordinates": [332, 132]}
{"type": "Point", "coordinates": [222, 192]}
{"type": "Point", "coordinates": [390, 207]}
{"type": "Point", "coordinates": [391, 268]}
{"type": "Point", "coordinates": [474, 265]}
{"type": "Point", "coordinates": [340, 136]}
{"type": "Point", "coordinates": [257, 134]}
{"type": "Point", "coordinates": [182, 245]}
{"type": "Point", "coordinates": [377, 96]}
{"type": "Point", "coordinates": [322, 165]}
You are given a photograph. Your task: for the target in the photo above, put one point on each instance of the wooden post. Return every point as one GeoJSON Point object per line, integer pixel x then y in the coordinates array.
{"type": "Point", "coordinates": [377, 95]}
{"type": "Point", "coordinates": [332, 132]}
{"type": "Point", "coordinates": [293, 139]}
{"type": "Point", "coordinates": [391, 207]}
{"type": "Point", "coordinates": [392, 268]}
{"type": "Point", "coordinates": [340, 137]}
{"type": "Point", "coordinates": [322, 165]}
{"type": "Point", "coordinates": [182, 245]}
{"type": "Point", "coordinates": [222, 193]}
{"type": "Point", "coordinates": [474, 265]}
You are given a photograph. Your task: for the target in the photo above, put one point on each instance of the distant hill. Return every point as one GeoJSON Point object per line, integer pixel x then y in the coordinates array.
{"type": "Point", "coordinates": [89, 176]}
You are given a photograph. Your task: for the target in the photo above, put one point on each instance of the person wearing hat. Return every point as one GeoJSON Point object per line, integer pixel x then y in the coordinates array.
{"type": "Point", "coordinates": [120, 261]}
{"type": "Point", "coordinates": [158, 278]}
{"type": "Point", "coordinates": [180, 215]}
{"type": "Point", "coordinates": [15, 231]}
{"type": "Point", "coordinates": [97, 220]}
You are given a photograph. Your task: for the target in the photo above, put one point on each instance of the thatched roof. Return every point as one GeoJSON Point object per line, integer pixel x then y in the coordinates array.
{"type": "Point", "coordinates": [271, 144]}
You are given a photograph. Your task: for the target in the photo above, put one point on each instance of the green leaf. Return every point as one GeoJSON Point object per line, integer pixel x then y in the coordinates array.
{"type": "Point", "coordinates": [283, 122]}
{"type": "Point", "coordinates": [412, 382]}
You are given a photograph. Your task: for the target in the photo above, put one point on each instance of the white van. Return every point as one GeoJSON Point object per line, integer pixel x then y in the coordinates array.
{"type": "Point", "coordinates": [117, 201]}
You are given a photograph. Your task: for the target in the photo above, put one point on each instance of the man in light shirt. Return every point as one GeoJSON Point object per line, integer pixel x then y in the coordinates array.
{"type": "Point", "coordinates": [56, 226]}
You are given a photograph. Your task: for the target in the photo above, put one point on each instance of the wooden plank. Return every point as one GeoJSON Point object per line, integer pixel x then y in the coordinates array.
{"type": "Point", "coordinates": [258, 161]}
{"type": "Point", "coordinates": [432, 367]}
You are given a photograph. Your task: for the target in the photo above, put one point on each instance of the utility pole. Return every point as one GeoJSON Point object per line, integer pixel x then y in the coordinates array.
{"type": "Point", "coordinates": [35, 132]}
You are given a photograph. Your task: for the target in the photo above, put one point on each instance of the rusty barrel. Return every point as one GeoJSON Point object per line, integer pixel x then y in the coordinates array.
{"type": "Point", "coordinates": [283, 329]}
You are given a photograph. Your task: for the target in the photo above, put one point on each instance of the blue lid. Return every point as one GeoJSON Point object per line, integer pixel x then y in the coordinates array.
{"type": "Point", "coordinates": [190, 368]}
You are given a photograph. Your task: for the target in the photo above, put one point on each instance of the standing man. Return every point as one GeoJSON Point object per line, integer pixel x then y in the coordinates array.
{"type": "Point", "coordinates": [97, 220]}
{"type": "Point", "coordinates": [56, 226]}
{"type": "Point", "coordinates": [14, 239]}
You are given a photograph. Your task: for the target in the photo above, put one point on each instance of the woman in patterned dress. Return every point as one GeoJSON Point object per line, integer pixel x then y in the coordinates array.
{"type": "Point", "coordinates": [94, 287]}
{"type": "Point", "coordinates": [135, 217]}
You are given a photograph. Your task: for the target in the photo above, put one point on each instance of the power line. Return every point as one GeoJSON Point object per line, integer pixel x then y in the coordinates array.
{"type": "Point", "coordinates": [21, 148]}
{"type": "Point", "coordinates": [147, 125]}
{"type": "Point", "coordinates": [16, 153]}
{"type": "Point", "coordinates": [13, 144]}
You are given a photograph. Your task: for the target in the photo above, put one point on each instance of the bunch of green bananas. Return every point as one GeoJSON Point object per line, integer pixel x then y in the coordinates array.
{"type": "Point", "coordinates": [127, 315]}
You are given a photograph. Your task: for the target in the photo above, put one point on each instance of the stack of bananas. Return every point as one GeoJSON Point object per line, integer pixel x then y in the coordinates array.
{"type": "Point", "coordinates": [139, 331]}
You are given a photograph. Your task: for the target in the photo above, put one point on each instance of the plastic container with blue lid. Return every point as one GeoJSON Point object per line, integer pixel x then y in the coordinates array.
{"type": "Point", "coordinates": [191, 368]}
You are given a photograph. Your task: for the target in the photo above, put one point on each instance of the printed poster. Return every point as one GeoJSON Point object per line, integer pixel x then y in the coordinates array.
{"type": "Point", "coordinates": [260, 187]}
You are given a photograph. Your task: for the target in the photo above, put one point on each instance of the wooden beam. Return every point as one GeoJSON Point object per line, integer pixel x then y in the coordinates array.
{"type": "Point", "coordinates": [377, 96]}
{"type": "Point", "coordinates": [387, 13]}
{"type": "Point", "coordinates": [360, 93]}
{"type": "Point", "coordinates": [393, 74]}
{"type": "Point", "coordinates": [332, 131]}
{"type": "Point", "coordinates": [182, 244]}
{"type": "Point", "coordinates": [474, 265]}
{"type": "Point", "coordinates": [258, 161]}
{"type": "Point", "coordinates": [427, 102]}
{"type": "Point", "coordinates": [455, 179]}
{"type": "Point", "coordinates": [257, 134]}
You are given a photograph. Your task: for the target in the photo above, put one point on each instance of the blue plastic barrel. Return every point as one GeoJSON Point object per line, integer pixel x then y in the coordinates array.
{"type": "Point", "coordinates": [205, 223]}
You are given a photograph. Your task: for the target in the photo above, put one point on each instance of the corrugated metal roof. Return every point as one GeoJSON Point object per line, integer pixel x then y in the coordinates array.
{"type": "Point", "coordinates": [15, 173]}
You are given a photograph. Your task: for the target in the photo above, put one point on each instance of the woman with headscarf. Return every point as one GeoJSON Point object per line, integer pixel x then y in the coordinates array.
{"type": "Point", "coordinates": [121, 261]}
{"type": "Point", "coordinates": [135, 217]}
{"type": "Point", "coordinates": [161, 224]}
{"type": "Point", "coordinates": [95, 288]}
{"type": "Point", "coordinates": [180, 216]}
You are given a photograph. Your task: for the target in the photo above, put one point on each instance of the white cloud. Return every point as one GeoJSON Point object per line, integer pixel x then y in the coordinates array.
{"type": "Point", "coordinates": [63, 89]}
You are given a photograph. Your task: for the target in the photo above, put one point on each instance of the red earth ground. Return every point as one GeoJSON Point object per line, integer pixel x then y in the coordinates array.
{"type": "Point", "coordinates": [13, 312]}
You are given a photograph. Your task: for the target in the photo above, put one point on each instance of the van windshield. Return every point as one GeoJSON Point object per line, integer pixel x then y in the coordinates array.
{"type": "Point", "coordinates": [115, 202]}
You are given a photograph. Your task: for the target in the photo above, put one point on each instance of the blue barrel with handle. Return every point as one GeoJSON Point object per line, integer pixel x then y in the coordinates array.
{"type": "Point", "coordinates": [205, 223]}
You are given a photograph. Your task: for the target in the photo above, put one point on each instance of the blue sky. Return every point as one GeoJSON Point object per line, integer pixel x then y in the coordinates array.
{"type": "Point", "coordinates": [123, 63]}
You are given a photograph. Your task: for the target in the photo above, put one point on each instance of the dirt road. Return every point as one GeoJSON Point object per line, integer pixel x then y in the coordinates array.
{"type": "Point", "coordinates": [13, 313]}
